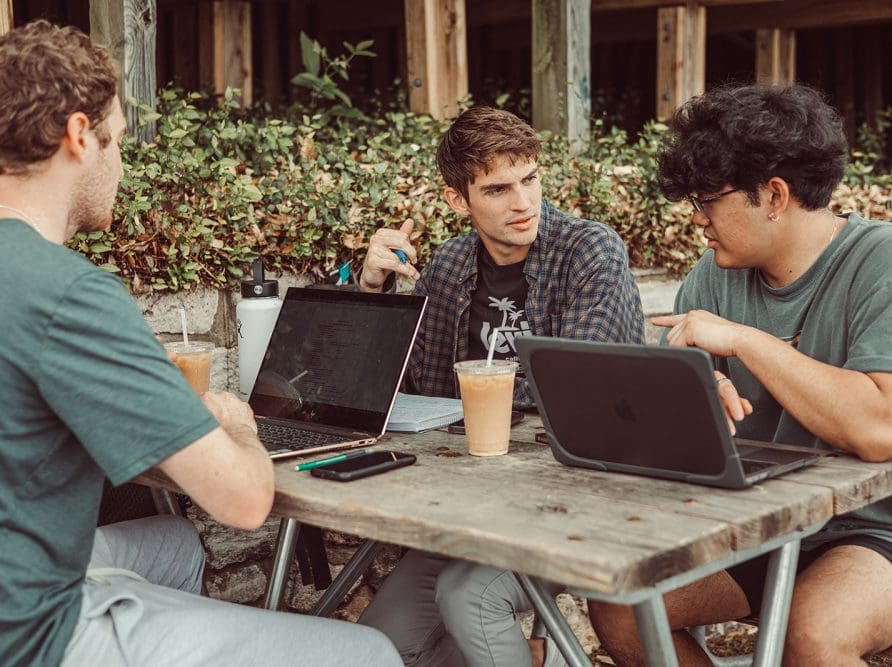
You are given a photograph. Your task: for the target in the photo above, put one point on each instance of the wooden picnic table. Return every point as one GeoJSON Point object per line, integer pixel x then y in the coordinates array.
{"type": "Point", "coordinates": [603, 535]}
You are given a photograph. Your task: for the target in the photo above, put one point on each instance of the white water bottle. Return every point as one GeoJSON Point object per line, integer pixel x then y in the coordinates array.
{"type": "Point", "coordinates": [255, 317]}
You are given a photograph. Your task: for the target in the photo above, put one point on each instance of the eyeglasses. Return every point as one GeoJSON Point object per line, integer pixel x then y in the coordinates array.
{"type": "Point", "coordinates": [699, 202]}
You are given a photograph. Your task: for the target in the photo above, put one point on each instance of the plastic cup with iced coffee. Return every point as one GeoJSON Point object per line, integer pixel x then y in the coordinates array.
{"type": "Point", "coordinates": [487, 392]}
{"type": "Point", "coordinates": [194, 361]}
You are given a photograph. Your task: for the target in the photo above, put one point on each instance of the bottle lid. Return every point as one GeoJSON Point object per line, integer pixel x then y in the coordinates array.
{"type": "Point", "coordinates": [258, 287]}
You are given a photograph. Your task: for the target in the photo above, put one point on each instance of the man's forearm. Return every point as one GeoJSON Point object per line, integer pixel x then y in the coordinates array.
{"type": "Point", "coordinates": [845, 408]}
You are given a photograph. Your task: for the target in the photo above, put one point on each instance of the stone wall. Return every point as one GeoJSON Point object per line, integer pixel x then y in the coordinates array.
{"type": "Point", "coordinates": [239, 561]}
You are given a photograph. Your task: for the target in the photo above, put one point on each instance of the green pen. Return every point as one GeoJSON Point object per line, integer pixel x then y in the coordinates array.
{"type": "Point", "coordinates": [309, 465]}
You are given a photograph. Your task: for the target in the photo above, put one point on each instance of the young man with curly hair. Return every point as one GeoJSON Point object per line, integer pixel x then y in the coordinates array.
{"type": "Point", "coordinates": [525, 268]}
{"type": "Point", "coordinates": [794, 303]}
{"type": "Point", "coordinates": [88, 392]}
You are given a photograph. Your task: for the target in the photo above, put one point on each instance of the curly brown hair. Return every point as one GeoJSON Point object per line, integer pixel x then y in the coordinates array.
{"type": "Point", "coordinates": [476, 137]}
{"type": "Point", "coordinates": [48, 73]}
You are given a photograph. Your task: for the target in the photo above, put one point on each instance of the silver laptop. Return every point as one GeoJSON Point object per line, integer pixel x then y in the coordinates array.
{"type": "Point", "coordinates": [645, 410]}
{"type": "Point", "coordinates": [332, 368]}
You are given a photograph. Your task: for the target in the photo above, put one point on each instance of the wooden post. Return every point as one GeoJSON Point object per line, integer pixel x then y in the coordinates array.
{"type": "Point", "coordinates": [562, 96]}
{"type": "Point", "coordinates": [127, 29]}
{"type": "Point", "coordinates": [436, 55]}
{"type": "Point", "coordinates": [776, 56]}
{"type": "Point", "coordinates": [6, 23]}
{"type": "Point", "coordinates": [872, 62]}
{"type": "Point", "coordinates": [681, 56]}
{"type": "Point", "coordinates": [231, 30]}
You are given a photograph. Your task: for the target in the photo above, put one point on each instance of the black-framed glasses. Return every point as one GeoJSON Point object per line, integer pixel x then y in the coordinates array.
{"type": "Point", "coordinates": [699, 202]}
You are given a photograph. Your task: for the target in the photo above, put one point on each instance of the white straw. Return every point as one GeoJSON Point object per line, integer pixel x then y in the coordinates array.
{"type": "Point", "coordinates": [185, 328]}
{"type": "Point", "coordinates": [492, 344]}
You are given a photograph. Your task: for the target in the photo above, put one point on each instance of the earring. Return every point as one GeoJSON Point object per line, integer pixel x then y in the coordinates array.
{"type": "Point", "coordinates": [773, 217]}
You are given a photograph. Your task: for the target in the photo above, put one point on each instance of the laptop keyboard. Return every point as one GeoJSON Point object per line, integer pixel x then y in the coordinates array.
{"type": "Point", "coordinates": [277, 437]}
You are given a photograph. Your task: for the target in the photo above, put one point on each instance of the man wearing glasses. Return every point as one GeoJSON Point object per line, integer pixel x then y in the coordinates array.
{"type": "Point", "coordinates": [794, 303]}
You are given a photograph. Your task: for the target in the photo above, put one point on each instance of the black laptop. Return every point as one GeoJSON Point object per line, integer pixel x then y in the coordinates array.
{"type": "Point", "coordinates": [646, 410]}
{"type": "Point", "coordinates": [332, 368]}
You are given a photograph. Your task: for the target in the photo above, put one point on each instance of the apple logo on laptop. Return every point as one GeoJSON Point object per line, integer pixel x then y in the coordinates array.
{"type": "Point", "coordinates": [623, 410]}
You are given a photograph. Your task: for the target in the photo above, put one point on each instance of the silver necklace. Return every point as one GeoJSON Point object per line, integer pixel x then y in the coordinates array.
{"type": "Point", "coordinates": [833, 231]}
{"type": "Point", "coordinates": [27, 218]}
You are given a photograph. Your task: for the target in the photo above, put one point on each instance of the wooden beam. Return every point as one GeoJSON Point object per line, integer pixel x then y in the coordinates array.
{"type": "Point", "coordinates": [608, 5]}
{"type": "Point", "coordinates": [6, 23]}
{"type": "Point", "coordinates": [562, 96]}
{"type": "Point", "coordinates": [231, 51]}
{"type": "Point", "coordinates": [800, 14]}
{"type": "Point", "coordinates": [127, 29]}
{"type": "Point", "coordinates": [436, 56]}
{"type": "Point", "coordinates": [872, 62]}
{"type": "Point", "coordinates": [776, 56]}
{"type": "Point", "coordinates": [681, 56]}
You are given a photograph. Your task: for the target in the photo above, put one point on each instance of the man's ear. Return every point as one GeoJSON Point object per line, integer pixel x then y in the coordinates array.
{"type": "Point", "coordinates": [456, 201]}
{"type": "Point", "coordinates": [75, 141]}
{"type": "Point", "coordinates": [778, 195]}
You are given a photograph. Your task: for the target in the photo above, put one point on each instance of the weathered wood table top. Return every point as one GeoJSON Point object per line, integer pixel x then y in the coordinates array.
{"type": "Point", "coordinates": [597, 531]}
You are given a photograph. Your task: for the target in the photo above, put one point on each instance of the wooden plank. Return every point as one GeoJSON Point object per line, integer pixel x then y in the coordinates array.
{"type": "Point", "coordinates": [561, 50]}
{"type": "Point", "coordinates": [799, 14]}
{"type": "Point", "coordinates": [436, 56]}
{"type": "Point", "coordinates": [6, 22]}
{"type": "Point", "coordinates": [681, 56]}
{"type": "Point", "coordinates": [127, 29]}
{"type": "Point", "coordinates": [607, 5]}
{"type": "Point", "coordinates": [232, 64]}
{"type": "Point", "coordinates": [872, 63]}
{"type": "Point", "coordinates": [854, 483]}
{"type": "Point", "coordinates": [843, 90]}
{"type": "Point", "coordinates": [269, 19]}
{"type": "Point", "coordinates": [776, 56]}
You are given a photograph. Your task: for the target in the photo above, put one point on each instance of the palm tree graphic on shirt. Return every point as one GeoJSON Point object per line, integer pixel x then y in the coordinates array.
{"type": "Point", "coordinates": [506, 332]}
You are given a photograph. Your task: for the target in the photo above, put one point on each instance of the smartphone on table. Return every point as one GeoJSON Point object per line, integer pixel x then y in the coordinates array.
{"type": "Point", "coordinates": [358, 467]}
{"type": "Point", "coordinates": [517, 416]}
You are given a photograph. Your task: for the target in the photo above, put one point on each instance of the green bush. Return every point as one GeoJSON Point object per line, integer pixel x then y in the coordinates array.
{"type": "Point", "coordinates": [220, 186]}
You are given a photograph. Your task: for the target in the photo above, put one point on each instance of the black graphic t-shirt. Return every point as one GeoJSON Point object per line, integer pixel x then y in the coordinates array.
{"type": "Point", "coordinates": [498, 303]}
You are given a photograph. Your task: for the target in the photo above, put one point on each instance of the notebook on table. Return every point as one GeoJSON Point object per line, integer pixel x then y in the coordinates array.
{"type": "Point", "coordinates": [414, 414]}
{"type": "Point", "coordinates": [645, 410]}
{"type": "Point", "coordinates": [330, 374]}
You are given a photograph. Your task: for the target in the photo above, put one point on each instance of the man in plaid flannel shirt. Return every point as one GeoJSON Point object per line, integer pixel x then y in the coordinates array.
{"type": "Point", "coordinates": [569, 276]}
{"type": "Point", "coordinates": [526, 268]}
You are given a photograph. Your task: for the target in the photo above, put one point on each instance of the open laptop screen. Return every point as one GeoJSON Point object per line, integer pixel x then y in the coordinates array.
{"type": "Point", "coordinates": [335, 357]}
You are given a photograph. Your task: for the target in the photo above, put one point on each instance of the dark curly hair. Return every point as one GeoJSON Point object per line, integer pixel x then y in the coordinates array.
{"type": "Point", "coordinates": [48, 73]}
{"type": "Point", "coordinates": [477, 136]}
{"type": "Point", "coordinates": [743, 136]}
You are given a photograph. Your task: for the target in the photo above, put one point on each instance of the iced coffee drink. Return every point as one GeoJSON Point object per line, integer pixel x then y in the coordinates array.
{"type": "Point", "coordinates": [487, 392]}
{"type": "Point", "coordinates": [194, 361]}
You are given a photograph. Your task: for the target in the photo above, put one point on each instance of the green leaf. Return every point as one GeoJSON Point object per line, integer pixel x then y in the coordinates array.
{"type": "Point", "coordinates": [309, 53]}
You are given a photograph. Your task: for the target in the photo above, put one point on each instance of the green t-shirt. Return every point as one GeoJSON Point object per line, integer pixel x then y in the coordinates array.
{"type": "Point", "coordinates": [86, 392]}
{"type": "Point", "coordinates": [838, 312]}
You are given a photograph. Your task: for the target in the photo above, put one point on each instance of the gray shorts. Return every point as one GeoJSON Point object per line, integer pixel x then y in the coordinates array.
{"type": "Point", "coordinates": [141, 607]}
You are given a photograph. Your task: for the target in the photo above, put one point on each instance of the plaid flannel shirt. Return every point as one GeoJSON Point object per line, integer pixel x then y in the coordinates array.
{"type": "Point", "coordinates": [580, 286]}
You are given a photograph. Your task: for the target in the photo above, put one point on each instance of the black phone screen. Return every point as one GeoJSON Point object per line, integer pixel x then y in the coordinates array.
{"type": "Point", "coordinates": [360, 462]}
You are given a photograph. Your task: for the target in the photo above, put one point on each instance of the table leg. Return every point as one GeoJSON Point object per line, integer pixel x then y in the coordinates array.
{"type": "Point", "coordinates": [548, 612]}
{"type": "Point", "coordinates": [285, 544]}
{"type": "Point", "coordinates": [352, 571]}
{"type": "Point", "coordinates": [654, 632]}
{"type": "Point", "coordinates": [166, 502]}
{"type": "Point", "coordinates": [775, 610]}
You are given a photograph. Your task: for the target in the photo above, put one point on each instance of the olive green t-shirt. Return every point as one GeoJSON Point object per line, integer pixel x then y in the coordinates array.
{"type": "Point", "coordinates": [838, 312]}
{"type": "Point", "coordinates": [86, 392]}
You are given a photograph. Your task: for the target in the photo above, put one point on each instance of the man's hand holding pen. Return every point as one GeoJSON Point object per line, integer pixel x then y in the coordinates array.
{"type": "Point", "coordinates": [390, 251]}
